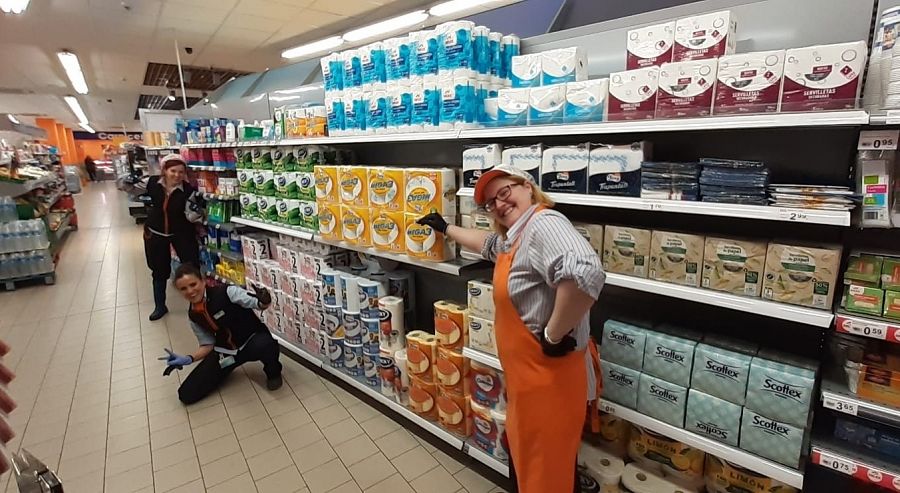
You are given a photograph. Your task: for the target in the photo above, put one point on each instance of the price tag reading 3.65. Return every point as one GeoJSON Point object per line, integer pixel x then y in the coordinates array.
{"type": "Point", "coordinates": [839, 405]}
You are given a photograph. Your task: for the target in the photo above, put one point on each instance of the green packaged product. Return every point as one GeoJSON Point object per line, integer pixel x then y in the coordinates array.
{"type": "Point", "coordinates": [860, 299]}
{"type": "Point", "coordinates": [249, 206]}
{"type": "Point", "coordinates": [309, 214]}
{"type": "Point", "coordinates": [285, 185]}
{"type": "Point", "coordinates": [892, 304]}
{"type": "Point", "coordinates": [283, 159]}
{"type": "Point", "coordinates": [243, 158]}
{"type": "Point", "coordinates": [306, 185]}
{"type": "Point", "coordinates": [264, 183]}
{"type": "Point", "coordinates": [246, 181]}
{"type": "Point", "coordinates": [262, 158]}
{"type": "Point", "coordinates": [864, 269]}
{"type": "Point", "coordinates": [890, 274]}
{"type": "Point", "coordinates": [268, 209]}
{"type": "Point", "coordinates": [289, 212]}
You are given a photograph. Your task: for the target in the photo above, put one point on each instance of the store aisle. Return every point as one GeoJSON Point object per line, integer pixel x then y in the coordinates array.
{"type": "Point", "coordinates": [93, 402]}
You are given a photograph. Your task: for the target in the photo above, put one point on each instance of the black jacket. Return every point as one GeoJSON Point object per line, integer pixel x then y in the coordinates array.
{"type": "Point", "coordinates": [167, 214]}
{"type": "Point", "coordinates": [231, 324]}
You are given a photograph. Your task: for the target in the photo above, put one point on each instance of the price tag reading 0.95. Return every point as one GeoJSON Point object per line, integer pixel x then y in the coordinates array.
{"type": "Point", "coordinates": [839, 405]}
{"type": "Point", "coordinates": [878, 140]}
{"type": "Point", "coordinates": [839, 465]}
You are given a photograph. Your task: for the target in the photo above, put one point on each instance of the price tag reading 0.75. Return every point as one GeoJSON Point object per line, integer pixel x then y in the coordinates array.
{"type": "Point", "coordinates": [837, 464]}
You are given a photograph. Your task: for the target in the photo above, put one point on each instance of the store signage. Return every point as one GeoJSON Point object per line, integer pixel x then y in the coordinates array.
{"type": "Point", "coordinates": [105, 135]}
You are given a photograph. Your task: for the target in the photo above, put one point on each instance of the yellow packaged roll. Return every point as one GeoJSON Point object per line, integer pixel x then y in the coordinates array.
{"type": "Point", "coordinates": [422, 397]}
{"type": "Point", "coordinates": [430, 190]}
{"type": "Point", "coordinates": [613, 436]}
{"type": "Point", "coordinates": [355, 222]}
{"type": "Point", "coordinates": [725, 477]}
{"type": "Point", "coordinates": [450, 325]}
{"type": "Point", "coordinates": [389, 230]}
{"type": "Point", "coordinates": [451, 371]}
{"type": "Point", "coordinates": [327, 184]}
{"type": "Point", "coordinates": [454, 413]}
{"type": "Point", "coordinates": [330, 225]}
{"type": "Point", "coordinates": [353, 184]}
{"type": "Point", "coordinates": [386, 189]}
{"type": "Point", "coordinates": [424, 243]}
{"type": "Point", "coordinates": [675, 461]}
{"type": "Point", "coordinates": [421, 353]}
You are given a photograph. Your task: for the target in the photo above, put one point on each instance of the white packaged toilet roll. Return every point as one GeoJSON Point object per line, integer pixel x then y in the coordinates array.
{"type": "Point", "coordinates": [499, 418]}
{"type": "Point", "coordinates": [640, 480]}
{"type": "Point", "coordinates": [604, 467]}
{"type": "Point", "coordinates": [349, 292]}
{"type": "Point", "coordinates": [402, 283]}
{"type": "Point", "coordinates": [400, 361]}
{"type": "Point", "coordinates": [393, 330]}
{"type": "Point", "coordinates": [370, 292]}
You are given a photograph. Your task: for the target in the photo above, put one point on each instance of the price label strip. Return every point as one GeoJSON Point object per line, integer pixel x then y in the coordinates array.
{"type": "Point", "coordinates": [869, 328]}
{"type": "Point", "coordinates": [839, 405]}
{"type": "Point", "coordinates": [792, 215]}
{"type": "Point", "coordinates": [878, 140]}
{"type": "Point", "coordinates": [860, 471]}
{"type": "Point", "coordinates": [838, 464]}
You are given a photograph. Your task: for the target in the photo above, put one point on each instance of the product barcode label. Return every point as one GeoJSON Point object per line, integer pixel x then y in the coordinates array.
{"type": "Point", "coordinates": [840, 405]}
{"type": "Point", "coordinates": [837, 464]}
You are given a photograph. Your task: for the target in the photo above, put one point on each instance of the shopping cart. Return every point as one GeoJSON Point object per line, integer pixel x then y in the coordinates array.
{"type": "Point", "coordinates": [33, 476]}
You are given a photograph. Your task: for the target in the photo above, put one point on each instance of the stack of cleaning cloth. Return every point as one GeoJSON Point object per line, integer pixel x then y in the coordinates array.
{"type": "Point", "coordinates": [813, 197]}
{"type": "Point", "coordinates": [733, 181]}
{"type": "Point", "coordinates": [670, 181]}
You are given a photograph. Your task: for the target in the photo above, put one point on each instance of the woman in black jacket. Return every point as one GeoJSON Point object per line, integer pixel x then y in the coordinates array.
{"type": "Point", "coordinates": [167, 225]}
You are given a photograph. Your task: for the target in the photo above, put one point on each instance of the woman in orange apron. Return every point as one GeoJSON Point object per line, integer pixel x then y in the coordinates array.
{"type": "Point", "coordinates": [546, 279]}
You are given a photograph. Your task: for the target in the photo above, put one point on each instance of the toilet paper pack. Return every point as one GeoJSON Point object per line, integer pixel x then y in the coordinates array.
{"type": "Point", "coordinates": [623, 344]}
{"type": "Point", "coordinates": [389, 230]}
{"type": "Point", "coordinates": [481, 298]}
{"type": "Point", "coordinates": [546, 104]}
{"type": "Point", "coordinates": [426, 104]}
{"type": "Point", "coordinates": [528, 159]}
{"type": "Point", "coordinates": [399, 115]}
{"type": "Point", "coordinates": [771, 438]}
{"type": "Point", "coordinates": [424, 243]}
{"type": "Point", "coordinates": [457, 97]}
{"type": "Point", "coordinates": [824, 77]}
{"type": "Point", "coordinates": [330, 224]}
{"type": "Point", "coordinates": [713, 417]}
{"type": "Point", "coordinates": [487, 386]}
{"type": "Point", "coordinates": [632, 94]}
{"type": "Point", "coordinates": [616, 170]}
{"type": "Point", "coordinates": [478, 160]}
{"type": "Point", "coordinates": [637, 479]}
{"type": "Point", "coordinates": [372, 63]}
{"type": "Point", "coordinates": [675, 461]}
{"type": "Point", "coordinates": [425, 52]}
{"type": "Point", "coordinates": [620, 383]}
{"type": "Point", "coordinates": [749, 83]}
{"type": "Point", "coordinates": [354, 185]}
{"type": "Point", "coordinates": [397, 55]}
{"type": "Point", "coordinates": [563, 65]}
{"type": "Point", "coordinates": [686, 88]}
{"type": "Point", "coordinates": [604, 468]}
{"type": "Point", "coordinates": [455, 45]}
{"type": "Point", "coordinates": [586, 101]}
{"type": "Point", "coordinates": [481, 335]}
{"type": "Point", "coordinates": [512, 106]}
{"type": "Point", "coordinates": [650, 45]}
{"type": "Point", "coordinates": [662, 400]}
{"type": "Point", "coordinates": [355, 225]}
{"type": "Point", "coordinates": [705, 36]}
{"type": "Point", "coordinates": [725, 477]}
{"type": "Point", "coordinates": [525, 70]}
{"type": "Point", "coordinates": [565, 169]}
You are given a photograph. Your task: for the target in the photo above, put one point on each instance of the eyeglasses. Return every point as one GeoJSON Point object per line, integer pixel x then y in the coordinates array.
{"type": "Point", "coordinates": [502, 194]}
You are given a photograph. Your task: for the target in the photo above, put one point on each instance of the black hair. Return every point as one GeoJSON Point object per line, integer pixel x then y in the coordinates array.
{"type": "Point", "coordinates": [187, 270]}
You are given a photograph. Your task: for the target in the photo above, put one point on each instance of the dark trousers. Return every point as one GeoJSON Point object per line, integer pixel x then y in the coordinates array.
{"type": "Point", "coordinates": [92, 174]}
{"type": "Point", "coordinates": [156, 249]}
{"type": "Point", "coordinates": [208, 375]}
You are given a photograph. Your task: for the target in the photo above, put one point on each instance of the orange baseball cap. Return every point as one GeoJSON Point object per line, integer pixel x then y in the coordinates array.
{"type": "Point", "coordinates": [502, 170]}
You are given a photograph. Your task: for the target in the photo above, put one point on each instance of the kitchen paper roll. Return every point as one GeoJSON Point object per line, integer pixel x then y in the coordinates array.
{"type": "Point", "coordinates": [401, 283]}
{"type": "Point", "coordinates": [387, 373]}
{"type": "Point", "coordinates": [370, 367]}
{"type": "Point", "coordinates": [451, 371]}
{"type": "Point", "coordinates": [450, 324]}
{"type": "Point", "coordinates": [421, 351]}
{"type": "Point", "coordinates": [370, 292]}
{"type": "Point", "coordinates": [393, 332]}
{"type": "Point", "coordinates": [331, 287]}
{"type": "Point", "coordinates": [401, 378]}
{"type": "Point", "coordinates": [454, 413]}
{"type": "Point", "coordinates": [336, 351]}
{"type": "Point", "coordinates": [332, 321]}
{"type": "Point", "coordinates": [371, 330]}
{"type": "Point", "coordinates": [353, 330]}
{"type": "Point", "coordinates": [349, 292]}
{"type": "Point", "coordinates": [353, 359]}
{"type": "Point", "coordinates": [640, 480]}
{"type": "Point", "coordinates": [422, 397]}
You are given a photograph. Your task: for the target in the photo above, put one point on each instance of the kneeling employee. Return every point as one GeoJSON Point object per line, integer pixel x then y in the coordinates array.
{"type": "Point", "coordinates": [229, 332]}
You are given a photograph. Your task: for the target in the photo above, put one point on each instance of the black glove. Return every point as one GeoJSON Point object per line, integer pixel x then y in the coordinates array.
{"type": "Point", "coordinates": [434, 221]}
{"type": "Point", "coordinates": [262, 294]}
{"type": "Point", "coordinates": [561, 348]}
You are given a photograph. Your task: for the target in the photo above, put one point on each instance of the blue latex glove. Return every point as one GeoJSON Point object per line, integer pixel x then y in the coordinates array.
{"type": "Point", "coordinates": [176, 361]}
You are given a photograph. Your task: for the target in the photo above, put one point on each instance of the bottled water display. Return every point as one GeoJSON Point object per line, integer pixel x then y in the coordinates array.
{"type": "Point", "coordinates": [23, 244]}
{"type": "Point", "coordinates": [25, 264]}
{"type": "Point", "coordinates": [19, 236]}
{"type": "Point", "coordinates": [8, 210]}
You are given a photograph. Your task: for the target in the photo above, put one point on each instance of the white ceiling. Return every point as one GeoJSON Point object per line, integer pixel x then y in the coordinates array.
{"type": "Point", "coordinates": [114, 45]}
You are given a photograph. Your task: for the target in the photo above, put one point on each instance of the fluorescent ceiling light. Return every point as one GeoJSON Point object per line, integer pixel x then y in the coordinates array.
{"type": "Point", "coordinates": [214, 105]}
{"type": "Point", "coordinates": [314, 47]}
{"type": "Point", "coordinates": [284, 98]}
{"type": "Point", "coordinates": [70, 63]}
{"type": "Point", "coordinates": [87, 127]}
{"type": "Point", "coordinates": [316, 87]}
{"type": "Point", "coordinates": [257, 98]}
{"type": "Point", "coordinates": [13, 6]}
{"type": "Point", "coordinates": [76, 108]}
{"type": "Point", "coordinates": [13, 119]}
{"type": "Point", "coordinates": [387, 26]}
{"type": "Point", "coordinates": [454, 6]}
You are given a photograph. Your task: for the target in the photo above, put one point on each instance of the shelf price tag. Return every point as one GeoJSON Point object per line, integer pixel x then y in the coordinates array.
{"type": "Point", "coordinates": [654, 206]}
{"type": "Point", "coordinates": [878, 140]}
{"type": "Point", "coordinates": [840, 465]}
{"type": "Point", "coordinates": [839, 405]}
{"type": "Point", "coordinates": [607, 407]}
{"type": "Point", "coordinates": [862, 328]}
{"type": "Point", "coordinates": [792, 215]}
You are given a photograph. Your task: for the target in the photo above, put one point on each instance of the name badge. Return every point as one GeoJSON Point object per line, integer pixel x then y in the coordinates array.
{"type": "Point", "coordinates": [219, 314]}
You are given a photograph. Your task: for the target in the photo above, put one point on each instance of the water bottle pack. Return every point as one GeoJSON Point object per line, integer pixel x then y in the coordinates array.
{"type": "Point", "coordinates": [19, 236]}
{"type": "Point", "coordinates": [25, 264]}
{"type": "Point", "coordinates": [8, 210]}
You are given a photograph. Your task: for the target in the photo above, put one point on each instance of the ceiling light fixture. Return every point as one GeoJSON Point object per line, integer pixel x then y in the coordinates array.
{"type": "Point", "coordinates": [171, 95]}
{"type": "Point", "coordinates": [257, 98]}
{"type": "Point", "coordinates": [13, 119]}
{"type": "Point", "coordinates": [75, 106]}
{"type": "Point", "coordinates": [70, 63]}
{"type": "Point", "coordinates": [87, 127]}
{"type": "Point", "coordinates": [386, 26]}
{"type": "Point", "coordinates": [315, 87]}
{"type": "Point", "coordinates": [454, 6]}
{"type": "Point", "coordinates": [14, 6]}
{"type": "Point", "coordinates": [314, 47]}
{"type": "Point", "coordinates": [214, 105]}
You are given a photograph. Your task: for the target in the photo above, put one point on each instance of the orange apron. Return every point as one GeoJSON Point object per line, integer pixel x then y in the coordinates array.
{"type": "Point", "coordinates": [546, 396]}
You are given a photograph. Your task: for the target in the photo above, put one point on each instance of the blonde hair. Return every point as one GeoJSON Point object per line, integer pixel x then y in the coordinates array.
{"type": "Point", "coordinates": [537, 197]}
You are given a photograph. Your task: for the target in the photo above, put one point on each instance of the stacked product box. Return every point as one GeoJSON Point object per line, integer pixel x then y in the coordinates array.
{"type": "Point", "coordinates": [378, 207]}
{"type": "Point", "coordinates": [277, 183]}
{"type": "Point", "coordinates": [427, 80]}
{"type": "Point", "coordinates": [872, 285]}
{"type": "Point", "coordinates": [451, 368]}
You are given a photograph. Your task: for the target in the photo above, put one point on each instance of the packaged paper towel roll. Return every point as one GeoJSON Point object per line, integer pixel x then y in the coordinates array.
{"type": "Point", "coordinates": [352, 324]}
{"type": "Point", "coordinates": [481, 298]}
{"type": "Point", "coordinates": [454, 412]}
{"type": "Point", "coordinates": [640, 480]}
{"type": "Point", "coordinates": [486, 385]}
{"type": "Point", "coordinates": [401, 377]}
{"type": "Point", "coordinates": [331, 321]}
{"type": "Point", "coordinates": [421, 351]}
{"type": "Point", "coordinates": [422, 398]}
{"type": "Point", "coordinates": [389, 231]}
{"type": "Point", "coordinates": [387, 371]}
{"type": "Point", "coordinates": [355, 225]}
{"type": "Point", "coordinates": [336, 351]}
{"type": "Point", "coordinates": [393, 332]}
{"type": "Point", "coordinates": [605, 468]}
{"type": "Point", "coordinates": [450, 324]}
{"type": "Point", "coordinates": [425, 243]}
{"type": "Point", "coordinates": [349, 292]}
{"type": "Point", "coordinates": [452, 371]}
{"type": "Point", "coordinates": [369, 293]}
{"type": "Point", "coordinates": [430, 190]}
{"type": "Point", "coordinates": [370, 367]}
{"type": "Point", "coordinates": [485, 432]}
{"type": "Point", "coordinates": [371, 328]}
{"type": "Point", "coordinates": [401, 283]}
{"type": "Point", "coordinates": [353, 359]}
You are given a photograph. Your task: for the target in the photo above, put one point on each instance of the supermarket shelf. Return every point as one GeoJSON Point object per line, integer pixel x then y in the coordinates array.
{"type": "Point", "coordinates": [362, 139]}
{"type": "Point", "coordinates": [16, 188]}
{"type": "Point", "coordinates": [787, 475]}
{"type": "Point", "coordinates": [486, 459]}
{"type": "Point", "coordinates": [808, 316]}
{"type": "Point", "coordinates": [837, 457]}
{"type": "Point", "coordinates": [223, 280]}
{"type": "Point", "coordinates": [161, 148]}
{"type": "Point", "coordinates": [837, 397]}
{"type": "Point", "coordinates": [220, 196]}
{"type": "Point", "coordinates": [452, 267]}
{"type": "Point", "coordinates": [482, 357]}
{"type": "Point", "coordinates": [236, 256]}
{"type": "Point", "coordinates": [210, 168]}
{"type": "Point", "coordinates": [290, 346]}
{"type": "Point", "coordinates": [731, 122]}
{"type": "Point", "coordinates": [275, 228]}
{"type": "Point", "coordinates": [867, 327]}
{"type": "Point", "coordinates": [759, 212]}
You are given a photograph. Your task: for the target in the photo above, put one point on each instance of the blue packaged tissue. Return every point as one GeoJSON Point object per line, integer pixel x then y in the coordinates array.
{"type": "Point", "coordinates": [372, 63]}
{"type": "Point", "coordinates": [616, 169]}
{"type": "Point", "coordinates": [586, 101]}
{"type": "Point", "coordinates": [352, 69]}
{"type": "Point", "coordinates": [565, 169]}
{"type": "Point", "coordinates": [546, 104]}
{"type": "Point", "coordinates": [455, 49]}
{"type": "Point", "coordinates": [512, 107]}
{"type": "Point", "coordinates": [397, 55]}
{"type": "Point", "coordinates": [425, 53]}
{"type": "Point", "coordinates": [525, 70]}
{"type": "Point", "coordinates": [399, 114]}
{"type": "Point", "coordinates": [623, 344]}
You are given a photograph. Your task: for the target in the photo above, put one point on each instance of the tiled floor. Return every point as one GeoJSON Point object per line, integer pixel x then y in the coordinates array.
{"type": "Point", "coordinates": [93, 402]}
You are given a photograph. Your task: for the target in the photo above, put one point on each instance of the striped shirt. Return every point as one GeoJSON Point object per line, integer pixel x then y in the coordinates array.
{"type": "Point", "coordinates": [550, 251]}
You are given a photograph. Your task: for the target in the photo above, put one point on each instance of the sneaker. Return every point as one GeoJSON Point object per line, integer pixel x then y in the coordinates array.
{"type": "Point", "coordinates": [158, 313]}
{"type": "Point", "coordinates": [274, 383]}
